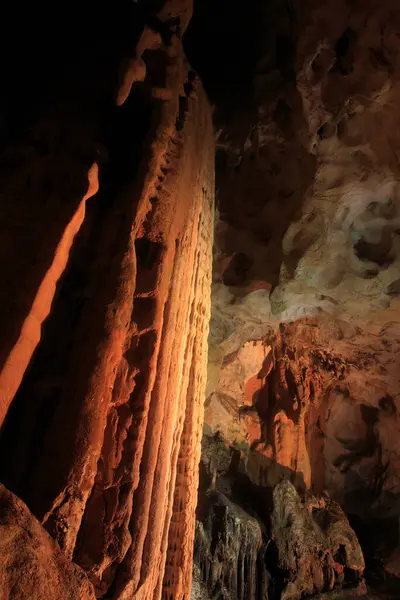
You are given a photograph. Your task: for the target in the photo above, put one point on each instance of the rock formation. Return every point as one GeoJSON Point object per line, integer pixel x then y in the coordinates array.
{"type": "Point", "coordinates": [228, 545]}
{"type": "Point", "coordinates": [107, 148]}
{"type": "Point", "coordinates": [262, 540]}
{"type": "Point", "coordinates": [317, 549]}
{"type": "Point", "coordinates": [32, 566]}
{"type": "Point", "coordinates": [108, 215]}
{"type": "Point", "coordinates": [303, 350]}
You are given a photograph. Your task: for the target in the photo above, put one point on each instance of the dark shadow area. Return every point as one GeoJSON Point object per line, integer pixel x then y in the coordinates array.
{"type": "Point", "coordinates": [260, 185]}
{"type": "Point", "coordinates": [225, 63]}
{"type": "Point", "coordinates": [43, 420]}
{"type": "Point", "coordinates": [42, 45]}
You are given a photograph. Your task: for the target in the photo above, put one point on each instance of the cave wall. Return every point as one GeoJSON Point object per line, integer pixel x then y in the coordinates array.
{"type": "Point", "coordinates": [303, 371]}
{"type": "Point", "coordinates": [108, 218]}
{"type": "Point", "coordinates": [307, 265]}
{"type": "Point", "coordinates": [315, 399]}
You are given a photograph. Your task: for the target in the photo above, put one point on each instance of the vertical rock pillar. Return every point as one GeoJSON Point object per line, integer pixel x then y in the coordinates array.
{"type": "Point", "coordinates": [158, 563]}
{"type": "Point", "coordinates": [106, 424]}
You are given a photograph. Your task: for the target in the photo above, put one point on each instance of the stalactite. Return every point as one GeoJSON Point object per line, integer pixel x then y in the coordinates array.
{"type": "Point", "coordinates": [228, 545]}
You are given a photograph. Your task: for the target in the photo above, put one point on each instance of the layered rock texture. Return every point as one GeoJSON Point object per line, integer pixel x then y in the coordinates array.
{"type": "Point", "coordinates": [107, 152]}
{"type": "Point", "coordinates": [108, 217]}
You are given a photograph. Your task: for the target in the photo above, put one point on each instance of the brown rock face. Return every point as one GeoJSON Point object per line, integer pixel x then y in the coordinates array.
{"type": "Point", "coordinates": [313, 403]}
{"type": "Point", "coordinates": [32, 566]}
{"type": "Point", "coordinates": [268, 541]}
{"type": "Point", "coordinates": [107, 185]}
{"type": "Point", "coordinates": [316, 546]}
{"type": "Point", "coordinates": [109, 306]}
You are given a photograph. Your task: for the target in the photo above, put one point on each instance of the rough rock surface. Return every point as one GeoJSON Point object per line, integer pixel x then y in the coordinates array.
{"type": "Point", "coordinates": [316, 546]}
{"type": "Point", "coordinates": [268, 542]}
{"type": "Point", "coordinates": [303, 361]}
{"type": "Point", "coordinates": [316, 398]}
{"type": "Point", "coordinates": [32, 566]}
{"type": "Point", "coordinates": [228, 544]}
{"type": "Point", "coordinates": [110, 308]}
{"type": "Point", "coordinates": [107, 204]}
{"type": "Point", "coordinates": [314, 156]}
{"type": "Point", "coordinates": [313, 403]}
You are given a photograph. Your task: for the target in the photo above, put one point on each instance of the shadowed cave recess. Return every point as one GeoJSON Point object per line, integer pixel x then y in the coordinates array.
{"type": "Point", "coordinates": [200, 301]}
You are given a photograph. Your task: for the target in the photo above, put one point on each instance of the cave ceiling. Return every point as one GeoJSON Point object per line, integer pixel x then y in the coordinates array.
{"type": "Point", "coordinates": [307, 160]}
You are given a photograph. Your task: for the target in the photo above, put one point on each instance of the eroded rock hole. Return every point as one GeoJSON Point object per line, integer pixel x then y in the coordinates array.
{"type": "Point", "coordinates": [148, 255]}
{"type": "Point", "coordinates": [375, 251]}
{"type": "Point", "coordinates": [237, 270]}
{"type": "Point", "coordinates": [144, 312]}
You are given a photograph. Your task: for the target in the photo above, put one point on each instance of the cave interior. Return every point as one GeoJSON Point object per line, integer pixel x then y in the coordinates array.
{"type": "Point", "coordinates": [204, 402]}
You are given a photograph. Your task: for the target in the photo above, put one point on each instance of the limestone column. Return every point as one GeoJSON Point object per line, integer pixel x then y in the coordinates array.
{"type": "Point", "coordinates": [106, 423]}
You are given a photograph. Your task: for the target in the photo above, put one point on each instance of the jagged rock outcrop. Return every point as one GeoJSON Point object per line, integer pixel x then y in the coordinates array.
{"type": "Point", "coordinates": [110, 310]}
{"type": "Point", "coordinates": [314, 398]}
{"type": "Point", "coordinates": [269, 543]}
{"type": "Point", "coordinates": [228, 553]}
{"type": "Point", "coordinates": [32, 566]}
{"type": "Point", "coordinates": [316, 546]}
{"type": "Point", "coordinates": [313, 403]}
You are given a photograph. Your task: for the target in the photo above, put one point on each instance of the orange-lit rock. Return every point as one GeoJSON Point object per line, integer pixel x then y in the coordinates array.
{"type": "Point", "coordinates": [136, 71]}
{"type": "Point", "coordinates": [32, 566]}
{"type": "Point", "coordinates": [22, 327]}
{"type": "Point", "coordinates": [325, 411]}
{"type": "Point", "coordinates": [105, 427]}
